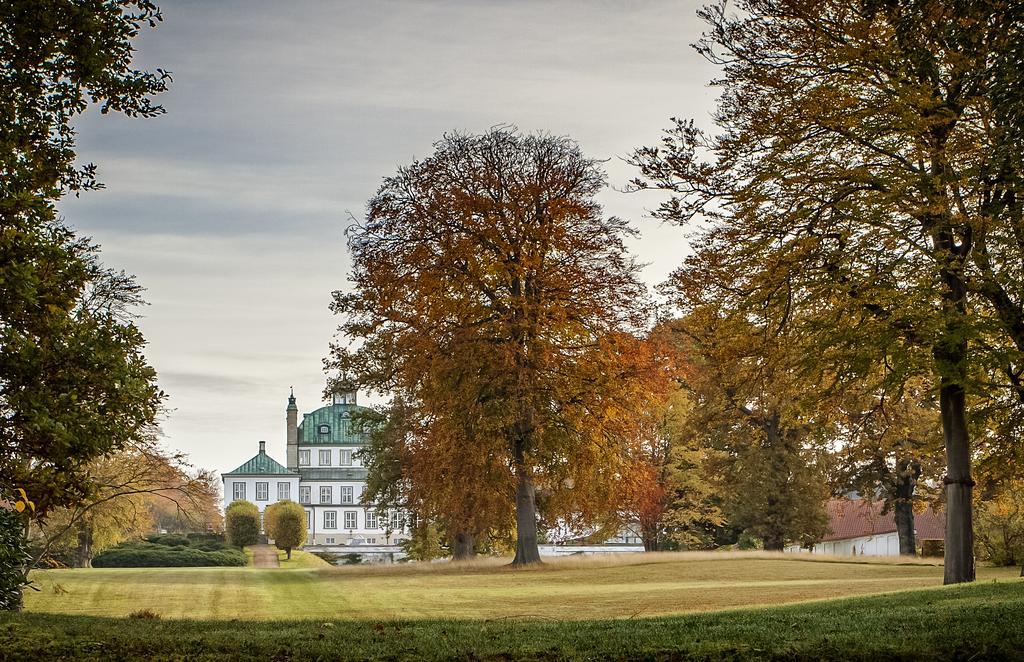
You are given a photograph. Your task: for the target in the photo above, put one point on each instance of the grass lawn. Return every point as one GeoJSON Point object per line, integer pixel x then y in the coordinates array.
{"type": "Point", "coordinates": [565, 589]}
{"type": "Point", "coordinates": [980, 621]}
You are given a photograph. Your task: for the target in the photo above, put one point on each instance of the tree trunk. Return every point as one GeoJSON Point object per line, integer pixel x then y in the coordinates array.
{"type": "Point", "coordinates": [959, 546]}
{"type": "Point", "coordinates": [83, 555]}
{"type": "Point", "coordinates": [651, 538]}
{"type": "Point", "coordinates": [774, 542]}
{"type": "Point", "coordinates": [463, 546]}
{"type": "Point", "coordinates": [527, 552]}
{"type": "Point", "coordinates": [288, 553]}
{"type": "Point", "coordinates": [907, 474]}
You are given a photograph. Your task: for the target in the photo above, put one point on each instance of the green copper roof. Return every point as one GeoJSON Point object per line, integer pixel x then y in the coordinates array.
{"type": "Point", "coordinates": [261, 464]}
{"type": "Point", "coordinates": [333, 424]}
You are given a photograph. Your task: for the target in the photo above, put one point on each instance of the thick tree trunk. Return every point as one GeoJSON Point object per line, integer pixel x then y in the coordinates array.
{"type": "Point", "coordinates": [527, 552]}
{"type": "Point", "coordinates": [463, 546]}
{"type": "Point", "coordinates": [288, 553]}
{"type": "Point", "coordinates": [905, 528]}
{"type": "Point", "coordinates": [651, 538]}
{"type": "Point", "coordinates": [906, 482]}
{"type": "Point", "coordinates": [959, 547]}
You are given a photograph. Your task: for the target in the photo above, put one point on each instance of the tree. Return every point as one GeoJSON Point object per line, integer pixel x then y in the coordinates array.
{"type": "Point", "coordinates": [490, 289]}
{"type": "Point", "coordinates": [890, 442]}
{"type": "Point", "coordinates": [125, 485]}
{"type": "Point", "coordinates": [1000, 525]}
{"type": "Point", "coordinates": [285, 524]}
{"type": "Point", "coordinates": [869, 171]}
{"type": "Point", "coordinates": [242, 523]}
{"type": "Point", "coordinates": [75, 385]}
{"type": "Point", "coordinates": [673, 495]}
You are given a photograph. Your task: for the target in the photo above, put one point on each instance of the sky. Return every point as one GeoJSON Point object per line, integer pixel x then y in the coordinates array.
{"type": "Point", "coordinates": [281, 122]}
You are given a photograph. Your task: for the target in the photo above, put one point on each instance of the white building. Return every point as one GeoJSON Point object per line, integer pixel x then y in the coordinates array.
{"type": "Point", "coordinates": [859, 528]}
{"type": "Point", "coordinates": [324, 474]}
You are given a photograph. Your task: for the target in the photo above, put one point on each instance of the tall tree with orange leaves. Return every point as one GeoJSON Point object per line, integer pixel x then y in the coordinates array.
{"type": "Point", "coordinates": [492, 293]}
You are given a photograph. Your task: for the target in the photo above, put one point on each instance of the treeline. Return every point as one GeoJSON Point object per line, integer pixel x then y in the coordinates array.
{"type": "Point", "coordinates": [851, 312]}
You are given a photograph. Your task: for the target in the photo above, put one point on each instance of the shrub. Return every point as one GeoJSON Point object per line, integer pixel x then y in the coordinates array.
{"type": "Point", "coordinates": [285, 522]}
{"type": "Point", "coordinates": [145, 614]}
{"type": "Point", "coordinates": [13, 557]}
{"type": "Point", "coordinates": [169, 539]}
{"type": "Point", "coordinates": [161, 556]}
{"type": "Point", "coordinates": [242, 523]}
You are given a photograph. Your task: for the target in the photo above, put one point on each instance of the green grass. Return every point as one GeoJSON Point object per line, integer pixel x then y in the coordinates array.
{"type": "Point", "coordinates": [301, 560]}
{"type": "Point", "coordinates": [981, 621]}
{"type": "Point", "coordinates": [578, 589]}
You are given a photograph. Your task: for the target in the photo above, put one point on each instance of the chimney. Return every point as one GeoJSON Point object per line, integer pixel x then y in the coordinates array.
{"type": "Point", "coordinates": [263, 448]}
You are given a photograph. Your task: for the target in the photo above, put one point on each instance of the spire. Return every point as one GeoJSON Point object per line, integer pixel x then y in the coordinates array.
{"type": "Point", "coordinates": [291, 398]}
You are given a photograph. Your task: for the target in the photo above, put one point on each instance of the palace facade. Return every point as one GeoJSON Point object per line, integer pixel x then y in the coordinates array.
{"type": "Point", "coordinates": [323, 473]}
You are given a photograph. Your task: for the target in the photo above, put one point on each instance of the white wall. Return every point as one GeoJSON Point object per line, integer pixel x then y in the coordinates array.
{"type": "Point", "coordinates": [250, 489]}
{"type": "Point", "coordinates": [883, 544]}
{"type": "Point", "coordinates": [335, 453]}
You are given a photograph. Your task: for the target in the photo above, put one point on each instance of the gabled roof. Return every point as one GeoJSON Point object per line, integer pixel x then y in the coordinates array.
{"type": "Point", "coordinates": [262, 464]}
{"type": "Point", "coordinates": [857, 518]}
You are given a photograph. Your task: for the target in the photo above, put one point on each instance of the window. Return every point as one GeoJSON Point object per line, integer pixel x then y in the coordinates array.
{"type": "Point", "coordinates": [238, 491]}
{"type": "Point", "coordinates": [371, 541]}
{"type": "Point", "coordinates": [371, 519]}
{"type": "Point", "coordinates": [309, 519]}
{"type": "Point", "coordinates": [329, 541]}
{"type": "Point", "coordinates": [346, 494]}
{"type": "Point", "coordinates": [351, 520]}
{"type": "Point", "coordinates": [396, 520]}
{"type": "Point", "coordinates": [346, 458]}
{"type": "Point", "coordinates": [262, 491]}
{"type": "Point", "coordinates": [325, 458]}
{"type": "Point", "coordinates": [304, 458]}
{"type": "Point", "coordinates": [284, 491]}
{"type": "Point", "coordinates": [303, 493]}
{"type": "Point", "coordinates": [330, 519]}
{"type": "Point", "coordinates": [325, 495]}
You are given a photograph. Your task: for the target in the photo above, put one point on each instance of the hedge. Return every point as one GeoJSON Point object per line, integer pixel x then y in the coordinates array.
{"type": "Point", "coordinates": [159, 556]}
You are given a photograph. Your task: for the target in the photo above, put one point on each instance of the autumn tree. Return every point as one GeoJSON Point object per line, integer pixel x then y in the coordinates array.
{"type": "Point", "coordinates": [242, 523]}
{"type": "Point", "coordinates": [868, 171]}
{"type": "Point", "coordinates": [672, 494]}
{"type": "Point", "coordinates": [118, 506]}
{"type": "Point", "coordinates": [491, 291]}
{"type": "Point", "coordinates": [285, 523]}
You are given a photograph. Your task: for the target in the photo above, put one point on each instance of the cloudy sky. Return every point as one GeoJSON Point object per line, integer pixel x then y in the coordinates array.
{"type": "Point", "coordinates": [282, 119]}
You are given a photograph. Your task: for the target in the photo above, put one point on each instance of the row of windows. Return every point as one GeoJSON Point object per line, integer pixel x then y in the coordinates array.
{"type": "Point", "coordinates": [350, 520]}
{"type": "Point", "coordinates": [324, 458]}
{"type": "Point", "coordinates": [284, 491]}
{"type": "Point", "coordinates": [346, 494]}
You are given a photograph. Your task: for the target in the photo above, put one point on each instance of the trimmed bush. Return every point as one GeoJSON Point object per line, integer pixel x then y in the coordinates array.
{"type": "Point", "coordinates": [242, 523]}
{"type": "Point", "coordinates": [13, 557]}
{"type": "Point", "coordinates": [147, 555]}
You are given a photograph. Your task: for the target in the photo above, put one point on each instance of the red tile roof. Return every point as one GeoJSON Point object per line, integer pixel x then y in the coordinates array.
{"type": "Point", "coordinates": [856, 518]}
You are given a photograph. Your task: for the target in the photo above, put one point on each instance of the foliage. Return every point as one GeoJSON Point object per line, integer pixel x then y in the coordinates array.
{"type": "Point", "coordinates": [866, 185]}
{"type": "Point", "coordinates": [425, 542]}
{"type": "Point", "coordinates": [150, 555]}
{"type": "Point", "coordinates": [125, 485]}
{"type": "Point", "coordinates": [674, 486]}
{"type": "Point", "coordinates": [285, 523]}
{"type": "Point", "coordinates": [75, 383]}
{"type": "Point", "coordinates": [1000, 525]}
{"type": "Point", "coordinates": [13, 557]}
{"type": "Point", "coordinates": [242, 523]}
{"type": "Point", "coordinates": [492, 296]}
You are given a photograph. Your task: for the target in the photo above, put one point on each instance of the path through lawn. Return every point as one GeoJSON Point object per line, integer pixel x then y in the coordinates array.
{"type": "Point", "coordinates": [640, 585]}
